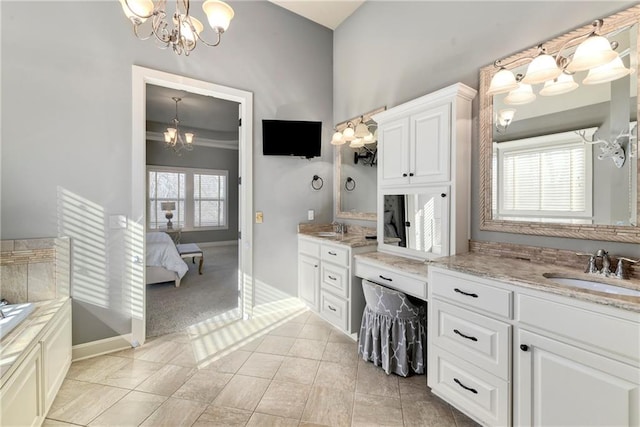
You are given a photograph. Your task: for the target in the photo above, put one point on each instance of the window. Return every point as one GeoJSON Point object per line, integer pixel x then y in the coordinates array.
{"type": "Point", "coordinates": [543, 179]}
{"type": "Point", "coordinates": [200, 196]}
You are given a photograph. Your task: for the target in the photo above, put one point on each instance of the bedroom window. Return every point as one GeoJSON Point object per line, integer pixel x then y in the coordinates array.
{"type": "Point", "coordinates": [200, 196]}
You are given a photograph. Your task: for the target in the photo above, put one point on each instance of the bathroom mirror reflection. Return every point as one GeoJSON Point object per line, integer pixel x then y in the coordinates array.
{"type": "Point", "coordinates": [549, 164]}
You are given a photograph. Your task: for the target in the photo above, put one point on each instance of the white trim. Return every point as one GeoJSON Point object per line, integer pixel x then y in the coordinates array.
{"type": "Point", "coordinates": [100, 347]}
{"type": "Point", "coordinates": [142, 76]}
{"type": "Point", "coordinates": [200, 141]}
{"type": "Point", "coordinates": [215, 244]}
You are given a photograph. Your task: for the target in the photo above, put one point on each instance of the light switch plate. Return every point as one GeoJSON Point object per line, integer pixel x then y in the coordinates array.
{"type": "Point", "coordinates": [259, 217]}
{"type": "Point", "coordinates": [310, 214]}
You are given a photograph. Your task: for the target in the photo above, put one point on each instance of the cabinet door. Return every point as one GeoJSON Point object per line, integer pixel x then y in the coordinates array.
{"type": "Point", "coordinates": [309, 280]}
{"type": "Point", "coordinates": [394, 156]}
{"type": "Point", "coordinates": [557, 384]}
{"type": "Point", "coordinates": [56, 356]}
{"type": "Point", "coordinates": [429, 150]}
{"type": "Point", "coordinates": [21, 395]}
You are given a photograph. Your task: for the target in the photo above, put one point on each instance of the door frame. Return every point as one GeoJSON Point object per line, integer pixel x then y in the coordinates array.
{"type": "Point", "coordinates": [142, 76]}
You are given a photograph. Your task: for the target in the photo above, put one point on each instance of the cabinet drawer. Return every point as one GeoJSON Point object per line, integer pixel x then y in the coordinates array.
{"type": "Point", "coordinates": [483, 341]}
{"type": "Point", "coordinates": [309, 248]}
{"type": "Point", "coordinates": [471, 294]}
{"type": "Point", "coordinates": [335, 254]}
{"type": "Point", "coordinates": [391, 279]}
{"type": "Point", "coordinates": [336, 279]}
{"type": "Point", "coordinates": [608, 334]}
{"type": "Point", "coordinates": [472, 390]}
{"type": "Point", "coordinates": [334, 309]}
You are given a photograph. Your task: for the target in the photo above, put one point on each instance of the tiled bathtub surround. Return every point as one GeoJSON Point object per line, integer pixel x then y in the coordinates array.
{"type": "Point", "coordinates": [34, 269]}
{"type": "Point", "coordinates": [544, 256]}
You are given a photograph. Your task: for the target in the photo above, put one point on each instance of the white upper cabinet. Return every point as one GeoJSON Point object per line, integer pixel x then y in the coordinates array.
{"type": "Point", "coordinates": [429, 149]}
{"type": "Point", "coordinates": [395, 152]}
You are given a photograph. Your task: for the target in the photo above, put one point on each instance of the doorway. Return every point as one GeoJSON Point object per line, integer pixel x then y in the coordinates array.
{"type": "Point", "coordinates": [142, 78]}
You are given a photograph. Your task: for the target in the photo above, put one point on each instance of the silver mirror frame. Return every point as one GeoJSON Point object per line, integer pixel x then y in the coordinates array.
{"type": "Point", "coordinates": [337, 178]}
{"type": "Point", "coordinates": [628, 234]}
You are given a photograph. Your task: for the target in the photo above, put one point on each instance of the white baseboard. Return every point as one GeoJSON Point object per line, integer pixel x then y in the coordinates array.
{"type": "Point", "coordinates": [221, 243]}
{"type": "Point", "coordinates": [100, 347]}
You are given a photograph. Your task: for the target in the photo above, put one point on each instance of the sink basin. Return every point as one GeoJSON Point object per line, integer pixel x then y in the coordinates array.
{"type": "Point", "coordinates": [325, 234]}
{"type": "Point", "coordinates": [14, 314]}
{"type": "Point", "coordinates": [593, 285]}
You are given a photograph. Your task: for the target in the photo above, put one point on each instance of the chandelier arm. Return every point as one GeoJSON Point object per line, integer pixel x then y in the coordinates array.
{"type": "Point", "coordinates": [135, 31]}
{"type": "Point", "coordinates": [499, 64]}
{"type": "Point", "coordinates": [159, 21]}
{"type": "Point", "coordinates": [218, 32]}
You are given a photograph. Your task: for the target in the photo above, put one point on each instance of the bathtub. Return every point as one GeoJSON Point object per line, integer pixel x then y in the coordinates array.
{"type": "Point", "coordinates": [13, 315]}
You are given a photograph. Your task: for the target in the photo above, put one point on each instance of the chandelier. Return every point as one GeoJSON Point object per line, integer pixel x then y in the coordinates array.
{"type": "Point", "coordinates": [181, 31]}
{"type": "Point", "coordinates": [172, 137]}
{"type": "Point", "coordinates": [594, 54]}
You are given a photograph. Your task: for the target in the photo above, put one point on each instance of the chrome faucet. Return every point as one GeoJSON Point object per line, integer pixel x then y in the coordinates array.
{"type": "Point", "coordinates": [606, 262]}
{"type": "Point", "coordinates": [605, 270]}
{"type": "Point", "coordinates": [339, 227]}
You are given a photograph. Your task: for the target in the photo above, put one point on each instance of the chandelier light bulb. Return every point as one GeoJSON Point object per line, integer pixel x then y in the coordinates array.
{"type": "Point", "coordinates": [137, 10]}
{"type": "Point", "coordinates": [607, 72]}
{"type": "Point", "coordinates": [167, 137]}
{"type": "Point", "coordinates": [593, 52]}
{"type": "Point", "coordinates": [502, 82]}
{"type": "Point", "coordinates": [219, 14]}
{"type": "Point", "coordinates": [187, 33]}
{"type": "Point", "coordinates": [188, 137]}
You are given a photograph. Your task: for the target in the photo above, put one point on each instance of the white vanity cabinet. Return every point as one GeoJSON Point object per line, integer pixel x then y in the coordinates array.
{"type": "Point", "coordinates": [327, 284]}
{"type": "Point", "coordinates": [424, 174]}
{"type": "Point", "coordinates": [506, 354]}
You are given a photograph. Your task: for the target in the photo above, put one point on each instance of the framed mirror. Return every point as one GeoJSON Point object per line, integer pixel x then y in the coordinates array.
{"type": "Point", "coordinates": [563, 164]}
{"type": "Point", "coordinates": [355, 170]}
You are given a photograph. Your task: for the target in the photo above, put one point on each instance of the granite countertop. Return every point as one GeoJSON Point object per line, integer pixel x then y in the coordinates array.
{"type": "Point", "coordinates": [14, 345]}
{"type": "Point", "coordinates": [531, 275]}
{"type": "Point", "coordinates": [406, 265]}
{"type": "Point", "coordinates": [353, 240]}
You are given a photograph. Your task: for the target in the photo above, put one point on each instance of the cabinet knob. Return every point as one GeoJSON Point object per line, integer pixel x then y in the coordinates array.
{"type": "Point", "coordinates": [404, 174]}
{"type": "Point", "coordinates": [524, 347]}
{"type": "Point", "coordinates": [443, 194]}
{"type": "Point", "coordinates": [411, 174]}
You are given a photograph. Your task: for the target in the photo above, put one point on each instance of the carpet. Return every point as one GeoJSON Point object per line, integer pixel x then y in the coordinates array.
{"type": "Point", "coordinates": [199, 297]}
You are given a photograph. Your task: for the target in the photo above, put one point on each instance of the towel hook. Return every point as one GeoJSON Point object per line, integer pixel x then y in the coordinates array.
{"type": "Point", "coordinates": [350, 184]}
{"type": "Point", "coordinates": [313, 182]}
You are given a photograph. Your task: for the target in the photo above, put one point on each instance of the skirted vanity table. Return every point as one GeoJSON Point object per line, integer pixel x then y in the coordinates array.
{"type": "Point", "coordinates": [517, 334]}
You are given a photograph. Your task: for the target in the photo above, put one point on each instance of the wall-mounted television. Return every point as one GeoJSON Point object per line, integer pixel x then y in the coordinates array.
{"type": "Point", "coordinates": [291, 138]}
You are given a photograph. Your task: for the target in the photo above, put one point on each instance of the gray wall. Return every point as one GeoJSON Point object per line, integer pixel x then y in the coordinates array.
{"type": "Point", "coordinates": [204, 158]}
{"type": "Point", "coordinates": [414, 48]}
{"type": "Point", "coordinates": [66, 134]}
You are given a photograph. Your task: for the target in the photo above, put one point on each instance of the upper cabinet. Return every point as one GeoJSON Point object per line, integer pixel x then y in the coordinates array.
{"type": "Point", "coordinates": [424, 174]}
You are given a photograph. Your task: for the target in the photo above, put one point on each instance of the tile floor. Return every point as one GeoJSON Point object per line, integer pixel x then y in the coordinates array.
{"type": "Point", "coordinates": [303, 373]}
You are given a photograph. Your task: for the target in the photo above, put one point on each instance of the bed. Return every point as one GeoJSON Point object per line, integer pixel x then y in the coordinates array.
{"type": "Point", "coordinates": [163, 262]}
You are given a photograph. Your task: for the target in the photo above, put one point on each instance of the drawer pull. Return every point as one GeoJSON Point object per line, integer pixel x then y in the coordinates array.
{"type": "Point", "coordinates": [465, 336]}
{"type": "Point", "coordinates": [332, 253]}
{"type": "Point", "coordinates": [466, 293]}
{"type": "Point", "coordinates": [331, 308]}
{"type": "Point", "coordinates": [524, 347]}
{"type": "Point", "coordinates": [331, 277]}
{"type": "Point", "coordinates": [472, 390]}
{"type": "Point", "coordinates": [385, 278]}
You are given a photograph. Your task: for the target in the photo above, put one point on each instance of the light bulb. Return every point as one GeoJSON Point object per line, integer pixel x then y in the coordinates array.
{"type": "Point", "coordinates": [188, 137]}
{"type": "Point", "coordinates": [348, 134]}
{"type": "Point", "coordinates": [541, 69]}
{"type": "Point", "coordinates": [137, 10]}
{"type": "Point", "coordinates": [337, 139]}
{"type": "Point", "coordinates": [523, 95]}
{"type": "Point", "coordinates": [563, 84]}
{"type": "Point", "coordinates": [593, 52]}
{"type": "Point", "coordinates": [502, 82]}
{"type": "Point", "coordinates": [607, 72]}
{"type": "Point", "coordinates": [356, 143]}
{"type": "Point", "coordinates": [219, 14]}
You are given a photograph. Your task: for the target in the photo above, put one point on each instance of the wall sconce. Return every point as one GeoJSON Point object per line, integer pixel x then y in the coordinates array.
{"type": "Point", "coordinates": [168, 207]}
{"type": "Point", "coordinates": [504, 119]}
{"type": "Point", "coordinates": [368, 156]}
{"type": "Point", "coordinates": [357, 131]}
{"type": "Point", "coordinates": [595, 53]}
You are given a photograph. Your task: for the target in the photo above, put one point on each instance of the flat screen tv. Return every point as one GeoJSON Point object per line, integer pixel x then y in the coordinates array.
{"type": "Point", "coordinates": [291, 138]}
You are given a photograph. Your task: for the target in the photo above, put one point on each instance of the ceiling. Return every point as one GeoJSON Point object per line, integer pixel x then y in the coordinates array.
{"type": "Point", "coordinates": [327, 13]}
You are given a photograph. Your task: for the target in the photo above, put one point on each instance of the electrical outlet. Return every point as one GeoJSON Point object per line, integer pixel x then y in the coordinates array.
{"type": "Point", "coordinates": [310, 214]}
{"type": "Point", "coordinates": [259, 217]}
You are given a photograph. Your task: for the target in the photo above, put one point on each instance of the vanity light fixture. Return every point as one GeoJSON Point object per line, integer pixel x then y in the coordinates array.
{"type": "Point", "coordinates": [179, 30]}
{"type": "Point", "coordinates": [172, 137]}
{"type": "Point", "coordinates": [504, 119]}
{"type": "Point", "coordinates": [520, 96]}
{"type": "Point", "coordinates": [595, 53]}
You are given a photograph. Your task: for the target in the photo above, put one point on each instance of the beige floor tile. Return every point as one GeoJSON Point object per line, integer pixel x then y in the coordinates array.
{"type": "Point", "coordinates": [229, 363]}
{"type": "Point", "coordinates": [373, 380]}
{"type": "Point", "coordinates": [175, 413]}
{"type": "Point", "coordinates": [79, 402]}
{"type": "Point", "coordinates": [242, 392]}
{"type": "Point", "coordinates": [432, 412]}
{"type": "Point", "coordinates": [300, 318]}
{"type": "Point", "coordinates": [315, 331]}
{"type": "Point", "coordinates": [275, 345]}
{"type": "Point", "coordinates": [297, 370]}
{"type": "Point", "coordinates": [462, 420]}
{"type": "Point", "coordinates": [328, 406]}
{"type": "Point", "coordinates": [220, 416]}
{"type": "Point", "coordinates": [185, 358]}
{"type": "Point", "coordinates": [181, 337]}
{"type": "Point", "coordinates": [95, 368]}
{"type": "Point", "coordinates": [414, 385]}
{"type": "Point", "coordinates": [336, 376]}
{"type": "Point", "coordinates": [314, 318]}
{"type": "Point", "coordinates": [289, 329]}
{"type": "Point", "coordinates": [54, 423]}
{"type": "Point", "coordinates": [156, 350]}
{"type": "Point", "coordinates": [131, 410]}
{"type": "Point", "coordinates": [371, 410]}
{"type": "Point", "coordinates": [344, 353]}
{"type": "Point", "coordinates": [132, 374]}
{"type": "Point", "coordinates": [305, 424]}
{"type": "Point", "coordinates": [261, 365]}
{"type": "Point", "coordinates": [338, 336]}
{"type": "Point", "coordinates": [284, 399]}
{"type": "Point", "coordinates": [252, 344]}
{"type": "Point", "coordinates": [307, 348]}
{"type": "Point", "coordinates": [203, 386]}
{"type": "Point", "coordinates": [264, 420]}
{"type": "Point", "coordinates": [166, 380]}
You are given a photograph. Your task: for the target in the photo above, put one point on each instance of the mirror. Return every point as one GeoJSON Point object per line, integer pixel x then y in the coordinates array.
{"type": "Point", "coordinates": [356, 172]}
{"type": "Point", "coordinates": [413, 222]}
{"type": "Point", "coordinates": [564, 165]}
